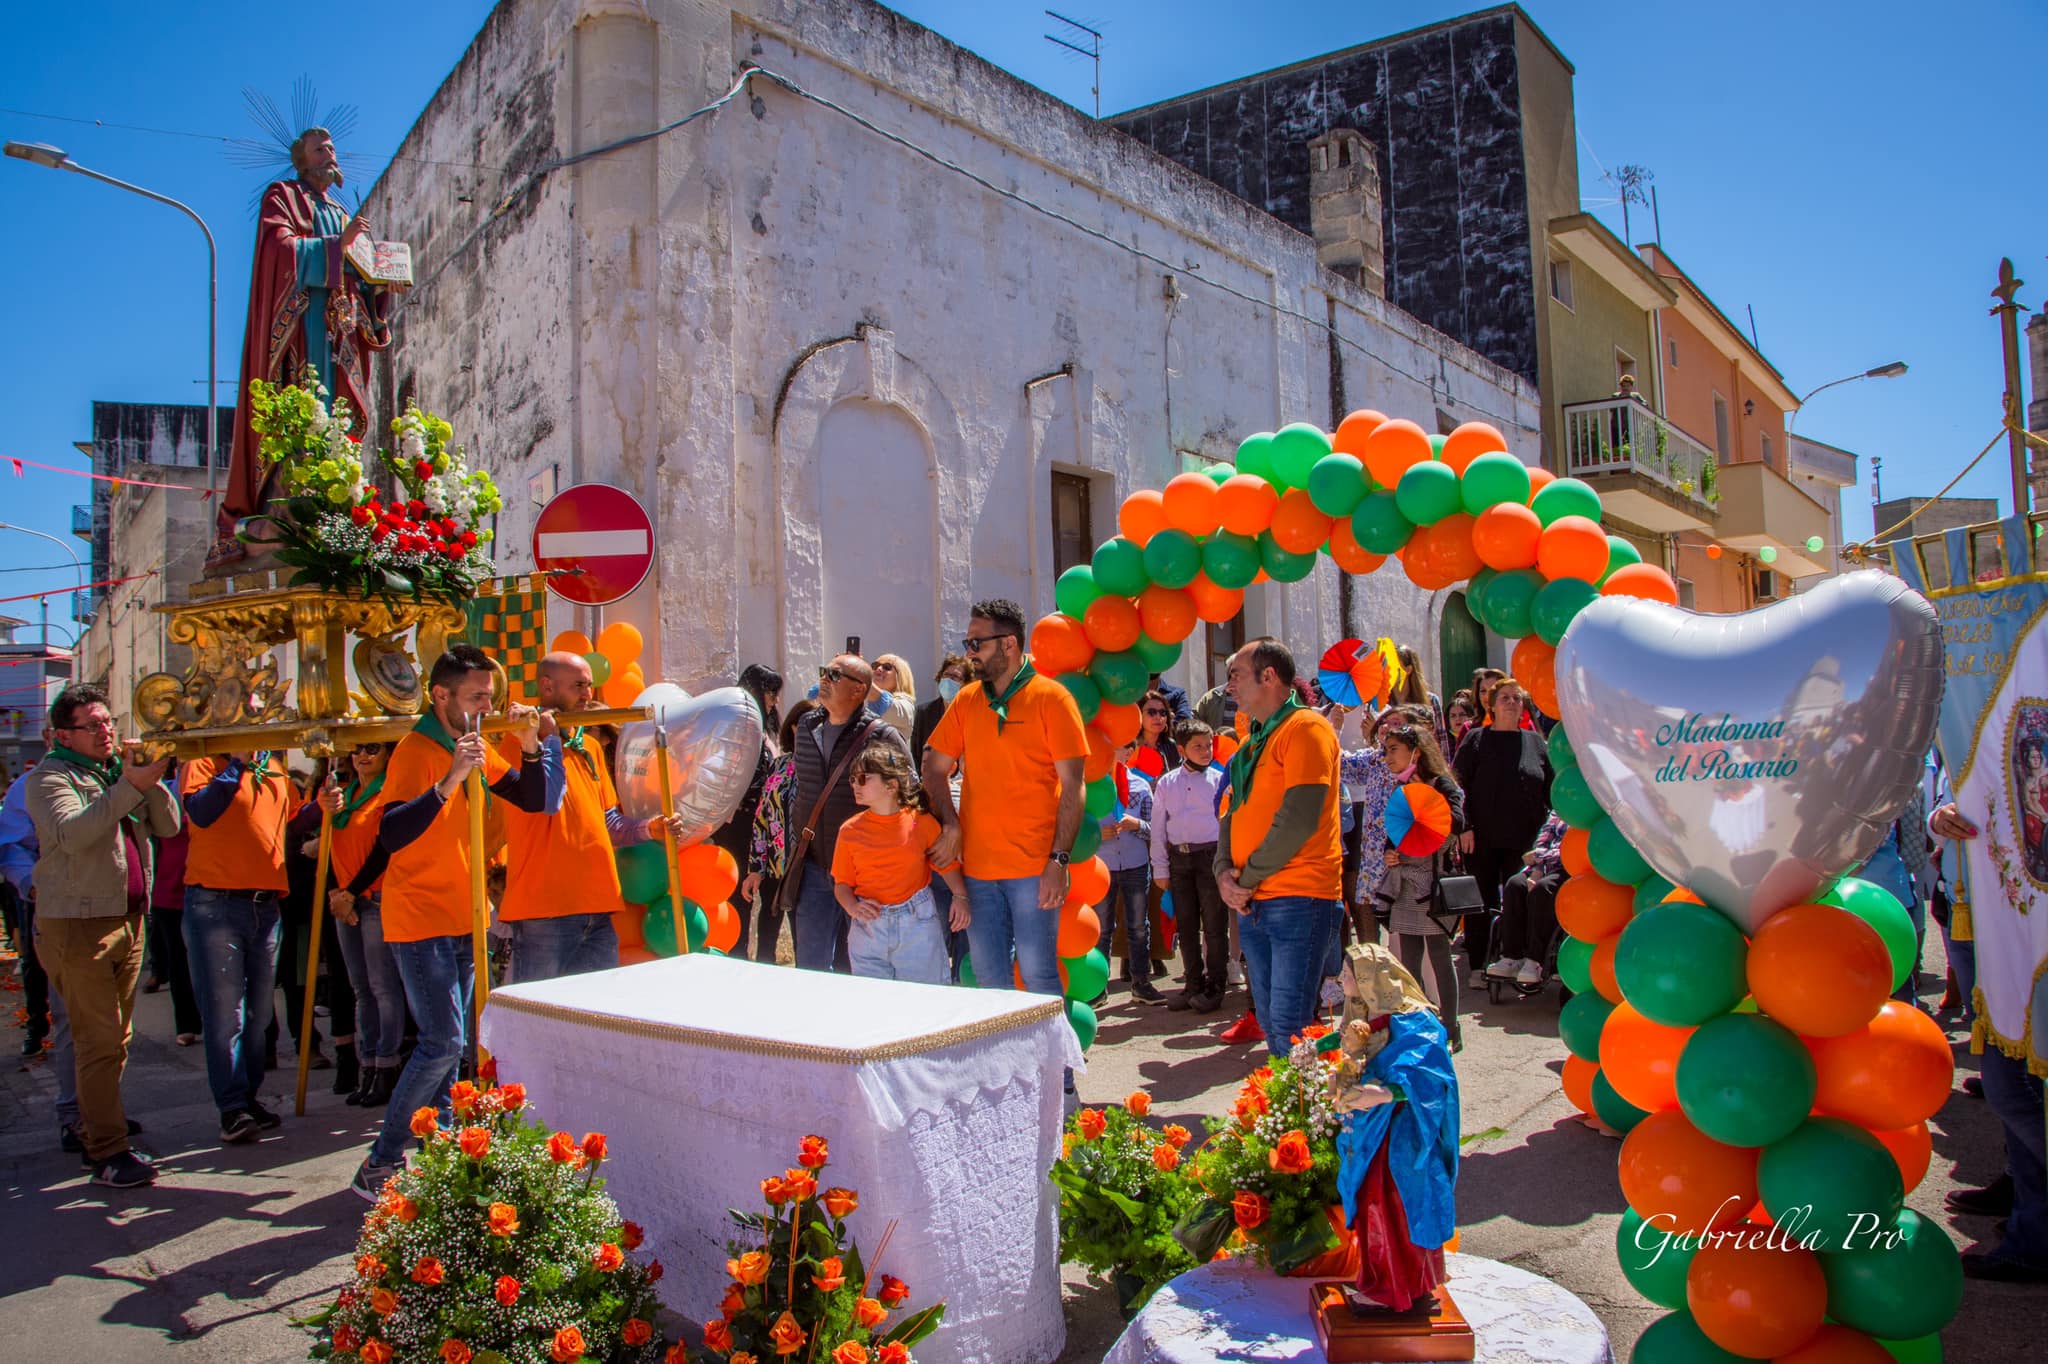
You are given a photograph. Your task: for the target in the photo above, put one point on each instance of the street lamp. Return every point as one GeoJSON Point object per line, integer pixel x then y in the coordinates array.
{"type": "Point", "coordinates": [29, 530]}
{"type": "Point", "coordinates": [43, 154]}
{"type": "Point", "coordinates": [1891, 370]}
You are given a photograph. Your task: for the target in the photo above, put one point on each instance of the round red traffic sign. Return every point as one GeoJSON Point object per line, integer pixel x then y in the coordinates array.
{"type": "Point", "coordinates": [594, 542]}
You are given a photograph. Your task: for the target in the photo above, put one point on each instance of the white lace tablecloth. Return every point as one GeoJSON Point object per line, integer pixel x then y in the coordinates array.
{"type": "Point", "coordinates": [1231, 1310]}
{"type": "Point", "coordinates": [942, 1107]}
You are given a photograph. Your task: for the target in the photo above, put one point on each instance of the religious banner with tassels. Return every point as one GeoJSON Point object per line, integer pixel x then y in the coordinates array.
{"type": "Point", "coordinates": [509, 621]}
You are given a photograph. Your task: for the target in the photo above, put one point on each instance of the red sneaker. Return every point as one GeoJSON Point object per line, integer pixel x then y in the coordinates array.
{"type": "Point", "coordinates": [1246, 1029]}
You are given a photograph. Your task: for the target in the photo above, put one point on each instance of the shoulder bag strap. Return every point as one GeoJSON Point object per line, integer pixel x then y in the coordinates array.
{"type": "Point", "coordinates": [792, 873]}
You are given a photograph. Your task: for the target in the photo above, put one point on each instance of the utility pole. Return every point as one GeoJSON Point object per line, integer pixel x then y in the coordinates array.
{"type": "Point", "coordinates": [1093, 51]}
{"type": "Point", "coordinates": [2008, 312]}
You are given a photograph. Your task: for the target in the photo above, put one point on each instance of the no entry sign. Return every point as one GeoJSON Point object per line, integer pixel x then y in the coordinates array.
{"type": "Point", "coordinates": [594, 542]}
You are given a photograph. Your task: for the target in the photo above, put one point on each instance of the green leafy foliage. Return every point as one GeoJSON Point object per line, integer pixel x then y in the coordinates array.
{"type": "Point", "coordinates": [1122, 1187]}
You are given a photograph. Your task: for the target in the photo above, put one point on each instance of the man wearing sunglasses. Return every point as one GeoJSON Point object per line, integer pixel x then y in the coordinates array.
{"type": "Point", "coordinates": [1021, 739]}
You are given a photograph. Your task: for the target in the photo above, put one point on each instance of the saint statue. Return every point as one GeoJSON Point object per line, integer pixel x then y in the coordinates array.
{"type": "Point", "coordinates": [1398, 1146]}
{"type": "Point", "coordinates": [307, 307]}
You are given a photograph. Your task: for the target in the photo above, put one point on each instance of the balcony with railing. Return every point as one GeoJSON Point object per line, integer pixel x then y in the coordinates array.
{"type": "Point", "coordinates": [1648, 471]}
{"type": "Point", "coordinates": [81, 521]}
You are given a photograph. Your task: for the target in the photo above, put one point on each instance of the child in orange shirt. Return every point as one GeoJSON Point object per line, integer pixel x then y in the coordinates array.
{"type": "Point", "coordinates": [882, 868]}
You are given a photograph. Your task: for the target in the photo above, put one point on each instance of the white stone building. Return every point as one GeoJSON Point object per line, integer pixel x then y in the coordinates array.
{"type": "Point", "coordinates": [869, 348]}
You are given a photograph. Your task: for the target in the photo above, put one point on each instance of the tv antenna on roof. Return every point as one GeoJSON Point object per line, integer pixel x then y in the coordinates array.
{"type": "Point", "coordinates": [1093, 51]}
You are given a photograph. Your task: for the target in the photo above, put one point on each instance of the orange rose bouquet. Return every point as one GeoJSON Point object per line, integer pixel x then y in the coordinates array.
{"type": "Point", "coordinates": [498, 1242]}
{"type": "Point", "coordinates": [1123, 1185]}
{"type": "Point", "coordinates": [800, 1291]}
{"type": "Point", "coordinates": [1267, 1173]}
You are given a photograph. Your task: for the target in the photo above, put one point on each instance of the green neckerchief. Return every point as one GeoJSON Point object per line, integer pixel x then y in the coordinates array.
{"type": "Point", "coordinates": [258, 767]}
{"type": "Point", "coordinates": [1001, 704]}
{"type": "Point", "coordinates": [1246, 760]}
{"type": "Point", "coordinates": [573, 742]}
{"type": "Point", "coordinates": [430, 727]}
{"type": "Point", "coordinates": [105, 773]}
{"type": "Point", "coordinates": [356, 795]}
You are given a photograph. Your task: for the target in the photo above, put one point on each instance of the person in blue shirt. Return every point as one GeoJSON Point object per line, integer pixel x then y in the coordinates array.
{"type": "Point", "coordinates": [1127, 852]}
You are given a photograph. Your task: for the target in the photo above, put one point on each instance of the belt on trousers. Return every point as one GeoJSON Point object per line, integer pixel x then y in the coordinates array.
{"type": "Point", "coordinates": [1191, 848]}
{"type": "Point", "coordinates": [257, 895]}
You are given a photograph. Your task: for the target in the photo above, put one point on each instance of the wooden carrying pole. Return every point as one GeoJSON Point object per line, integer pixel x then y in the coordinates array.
{"type": "Point", "coordinates": [479, 907]}
{"type": "Point", "coordinates": [316, 920]}
{"type": "Point", "coordinates": [668, 835]}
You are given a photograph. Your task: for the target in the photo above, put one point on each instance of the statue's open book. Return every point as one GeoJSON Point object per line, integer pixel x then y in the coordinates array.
{"type": "Point", "coordinates": [381, 262]}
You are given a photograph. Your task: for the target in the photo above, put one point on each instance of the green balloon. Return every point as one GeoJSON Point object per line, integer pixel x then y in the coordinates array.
{"type": "Point", "coordinates": [1086, 694]}
{"type": "Point", "coordinates": [1832, 1180]}
{"type": "Point", "coordinates": [1475, 590]}
{"type": "Point", "coordinates": [1280, 565]}
{"type": "Point", "coordinates": [658, 926]}
{"type": "Point", "coordinates": [1297, 448]}
{"type": "Point", "coordinates": [1099, 798]}
{"type": "Point", "coordinates": [1427, 492]}
{"type": "Point", "coordinates": [1653, 1259]}
{"type": "Point", "coordinates": [1436, 446]}
{"type": "Point", "coordinates": [1087, 975]}
{"type": "Point", "coordinates": [1219, 474]}
{"type": "Point", "coordinates": [698, 924]}
{"type": "Point", "coordinates": [967, 976]}
{"type": "Point", "coordinates": [1566, 497]}
{"type": "Point", "coordinates": [1255, 455]}
{"type": "Point", "coordinates": [1880, 909]}
{"type": "Point", "coordinates": [1172, 558]}
{"type": "Point", "coordinates": [1681, 964]}
{"type": "Point", "coordinates": [1552, 612]}
{"type": "Point", "coordinates": [1580, 1024]}
{"type": "Point", "coordinates": [1610, 1108]}
{"type": "Point", "coordinates": [1120, 568]}
{"type": "Point", "coordinates": [1230, 559]}
{"type": "Point", "coordinates": [1159, 655]}
{"type": "Point", "coordinates": [1562, 755]}
{"type": "Point", "coordinates": [1620, 554]}
{"type": "Point", "coordinates": [1743, 1079]}
{"type": "Point", "coordinates": [1120, 677]}
{"type": "Point", "coordinates": [600, 669]}
{"type": "Point", "coordinates": [1088, 841]}
{"type": "Point", "coordinates": [1613, 856]}
{"type": "Point", "coordinates": [1921, 1349]}
{"type": "Point", "coordinates": [1081, 1018]}
{"type": "Point", "coordinates": [1074, 590]}
{"type": "Point", "coordinates": [1505, 606]}
{"type": "Point", "coordinates": [1903, 1286]}
{"type": "Point", "coordinates": [1768, 554]}
{"type": "Point", "coordinates": [1678, 1339]}
{"type": "Point", "coordinates": [1378, 524]}
{"type": "Point", "coordinates": [1652, 892]}
{"type": "Point", "coordinates": [1813, 544]}
{"type": "Point", "coordinates": [643, 872]}
{"type": "Point", "coordinates": [1338, 484]}
{"type": "Point", "coordinates": [1492, 479]}
{"type": "Point", "coordinates": [1575, 964]}
{"type": "Point", "coordinates": [1572, 798]}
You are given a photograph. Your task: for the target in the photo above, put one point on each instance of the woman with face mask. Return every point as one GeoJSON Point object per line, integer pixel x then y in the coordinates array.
{"type": "Point", "coordinates": [953, 674]}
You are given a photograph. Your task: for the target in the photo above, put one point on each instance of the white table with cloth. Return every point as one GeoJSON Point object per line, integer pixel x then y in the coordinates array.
{"type": "Point", "coordinates": [1235, 1312]}
{"type": "Point", "coordinates": [942, 1107]}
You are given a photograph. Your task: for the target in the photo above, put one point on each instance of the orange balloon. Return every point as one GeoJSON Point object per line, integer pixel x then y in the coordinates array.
{"type": "Point", "coordinates": [1118, 724]}
{"type": "Point", "coordinates": [1834, 1343]}
{"type": "Point", "coordinates": [1166, 614]}
{"type": "Point", "coordinates": [1059, 644]}
{"type": "Point", "coordinates": [619, 642]}
{"type": "Point", "coordinates": [1534, 664]}
{"type": "Point", "coordinates": [1101, 756]}
{"type": "Point", "coordinates": [1756, 1299]}
{"type": "Point", "coordinates": [1112, 623]}
{"type": "Point", "coordinates": [1347, 553]}
{"type": "Point", "coordinates": [1191, 503]}
{"type": "Point", "coordinates": [1505, 536]}
{"type": "Point", "coordinates": [1640, 1059]}
{"type": "Point", "coordinates": [1641, 580]}
{"type": "Point", "coordinates": [1392, 447]}
{"type": "Point", "coordinates": [1212, 603]}
{"type": "Point", "coordinates": [1684, 896]}
{"type": "Point", "coordinates": [572, 642]}
{"type": "Point", "coordinates": [1572, 851]}
{"type": "Point", "coordinates": [1676, 1174]}
{"type": "Point", "coordinates": [1350, 436]}
{"type": "Point", "coordinates": [1894, 1072]}
{"type": "Point", "coordinates": [723, 926]}
{"type": "Point", "coordinates": [1601, 968]}
{"type": "Point", "coordinates": [623, 687]}
{"type": "Point", "coordinates": [1578, 1082]}
{"type": "Point", "coordinates": [1245, 504]}
{"type": "Point", "coordinates": [1455, 552]}
{"type": "Point", "coordinates": [1819, 970]}
{"type": "Point", "coordinates": [1572, 547]}
{"type": "Point", "coordinates": [1468, 442]}
{"type": "Point", "coordinates": [1080, 928]}
{"type": "Point", "coordinates": [1226, 744]}
{"type": "Point", "coordinates": [706, 873]}
{"type": "Point", "coordinates": [626, 924]}
{"type": "Point", "coordinates": [1590, 907]}
{"type": "Point", "coordinates": [1539, 479]}
{"type": "Point", "coordinates": [1298, 526]}
{"type": "Point", "coordinates": [1912, 1148]}
{"type": "Point", "coordinates": [1142, 516]}
{"type": "Point", "coordinates": [633, 956]}
{"type": "Point", "coordinates": [1088, 881]}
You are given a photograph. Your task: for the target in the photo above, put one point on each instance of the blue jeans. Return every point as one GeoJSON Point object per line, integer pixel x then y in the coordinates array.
{"type": "Point", "coordinates": [231, 943]}
{"type": "Point", "coordinates": [2015, 1097]}
{"type": "Point", "coordinates": [1131, 888]}
{"type": "Point", "coordinates": [1286, 942]}
{"type": "Point", "coordinates": [908, 942]}
{"type": "Point", "coordinates": [956, 943]}
{"type": "Point", "coordinates": [1008, 924]}
{"type": "Point", "coordinates": [380, 994]}
{"type": "Point", "coordinates": [439, 976]}
{"type": "Point", "coordinates": [569, 945]}
{"type": "Point", "coordinates": [819, 924]}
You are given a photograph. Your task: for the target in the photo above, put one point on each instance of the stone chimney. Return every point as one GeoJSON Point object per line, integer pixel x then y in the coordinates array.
{"type": "Point", "coordinates": [2037, 410]}
{"type": "Point", "coordinates": [1344, 207]}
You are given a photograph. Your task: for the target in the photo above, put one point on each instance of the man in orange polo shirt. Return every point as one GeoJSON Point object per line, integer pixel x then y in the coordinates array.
{"type": "Point", "coordinates": [1279, 852]}
{"type": "Point", "coordinates": [425, 835]}
{"type": "Point", "coordinates": [1022, 741]}
{"type": "Point", "coordinates": [237, 810]}
{"type": "Point", "coordinates": [561, 881]}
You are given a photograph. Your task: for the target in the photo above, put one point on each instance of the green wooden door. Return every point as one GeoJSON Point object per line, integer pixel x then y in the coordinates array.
{"type": "Point", "coordinates": [1461, 645]}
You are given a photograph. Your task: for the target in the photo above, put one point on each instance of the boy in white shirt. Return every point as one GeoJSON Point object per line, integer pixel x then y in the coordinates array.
{"type": "Point", "coordinates": [1184, 831]}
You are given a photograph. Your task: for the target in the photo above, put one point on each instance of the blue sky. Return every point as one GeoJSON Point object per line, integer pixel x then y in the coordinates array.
{"type": "Point", "coordinates": [1837, 166]}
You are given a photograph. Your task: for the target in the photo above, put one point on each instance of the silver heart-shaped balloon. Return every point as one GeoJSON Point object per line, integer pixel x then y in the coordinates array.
{"type": "Point", "coordinates": [1751, 758]}
{"type": "Point", "coordinates": [714, 744]}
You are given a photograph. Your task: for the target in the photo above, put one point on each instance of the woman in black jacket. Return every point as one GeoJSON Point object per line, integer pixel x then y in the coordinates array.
{"type": "Point", "coordinates": [1408, 886]}
{"type": "Point", "coordinates": [1505, 771]}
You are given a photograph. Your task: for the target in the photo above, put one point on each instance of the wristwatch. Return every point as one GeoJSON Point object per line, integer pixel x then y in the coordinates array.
{"type": "Point", "coordinates": [1062, 858]}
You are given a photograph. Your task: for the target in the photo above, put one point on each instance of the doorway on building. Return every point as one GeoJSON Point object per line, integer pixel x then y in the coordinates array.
{"type": "Point", "coordinates": [881, 570]}
{"type": "Point", "coordinates": [1460, 646]}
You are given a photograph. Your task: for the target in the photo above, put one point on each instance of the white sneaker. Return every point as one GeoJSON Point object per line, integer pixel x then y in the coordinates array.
{"type": "Point", "coordinates": [1476, 981]}
{"type": "Point", "coordinates": [1531, 972]}
{"type": "Point", "coordinates": [1234, 973]}
{"type": "Point", "coordinates": [1506, 966]}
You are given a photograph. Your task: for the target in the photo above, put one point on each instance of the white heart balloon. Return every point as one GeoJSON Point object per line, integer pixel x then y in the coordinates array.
{"type": "Point", "coordinates": [1752, 758]}
{"type": "Point", "coordinates": [714, 744]}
